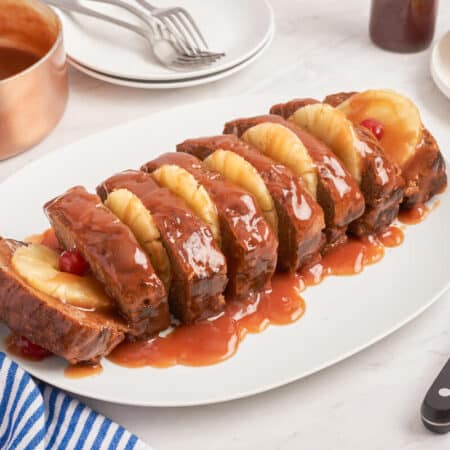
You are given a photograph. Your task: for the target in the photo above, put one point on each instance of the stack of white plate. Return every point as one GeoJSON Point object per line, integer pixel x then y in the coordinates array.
{"type": "Point", "coordinates": [243, 29]}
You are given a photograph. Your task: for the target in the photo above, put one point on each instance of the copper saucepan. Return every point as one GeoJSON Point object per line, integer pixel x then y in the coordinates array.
{"type": "Point", "coordinates": [33, 74]}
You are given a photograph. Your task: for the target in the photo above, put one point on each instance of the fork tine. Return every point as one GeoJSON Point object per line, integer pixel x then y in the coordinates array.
{"type": "Point", "coordinates": [179, 42]}
{"type": "Point", "coordinates": [198, 60]}
{"type": "Point", "coordinates": [184, 24]}
{"type": "Point", "coordinates": [180, 32]}
{"type": "Point", "coordinates": [204, 55]}
{"type": "Point", "coordinates": [191, 20]}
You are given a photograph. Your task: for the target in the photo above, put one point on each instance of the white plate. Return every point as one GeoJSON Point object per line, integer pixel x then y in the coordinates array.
{"type": "Point", "coordinates": [344, 314]}
{"type": "Point", "coordinates": [236, 27]}
{"type": "Point", "coordinates": [440, 64]}
{"type": "Point", "coordinates": [196, 81]}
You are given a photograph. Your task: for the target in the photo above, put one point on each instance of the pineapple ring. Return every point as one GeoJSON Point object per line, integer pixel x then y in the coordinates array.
{"type": "Point", "coordinates": [183, 184]}
{"type": "Point", "coordinates": [239, 171]}
{"type": "Point", "coordinates": [282, 145]}
{"type": "Point", "coordinates": [399, 116]}
{"type": "Point", "coordinates": [38, 266]}
{"type": "Point", "coordinates": [332, 127]}
{"type": "Point", "coordinates": [129, 209]}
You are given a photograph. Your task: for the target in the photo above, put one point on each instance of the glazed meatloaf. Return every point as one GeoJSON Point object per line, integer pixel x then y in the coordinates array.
{"type": "Point", "coordinates": [300, 218]}
{"type": "Point", "coordinates": [424, 174]}
{"type": "Point", "coordinates": [337, 193]}
{"type": "Point", "coordinates": [81, 221]}
{"type": "Point", "coordinates": [248, 242]}
{"type": "Point", "coordinates": [198, 266]}
{"type": "Point", "coordinates": [380, 180]}
{"type": "Point", "coordinates": [70, 332]}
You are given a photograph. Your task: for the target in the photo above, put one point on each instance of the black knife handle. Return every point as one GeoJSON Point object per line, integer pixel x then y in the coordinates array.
{"type": "Point", "coordinates": [435, 409]}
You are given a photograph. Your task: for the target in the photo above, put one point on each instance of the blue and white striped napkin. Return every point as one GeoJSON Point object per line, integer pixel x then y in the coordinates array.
{"type": "Point", "coordinates": [36, 416]}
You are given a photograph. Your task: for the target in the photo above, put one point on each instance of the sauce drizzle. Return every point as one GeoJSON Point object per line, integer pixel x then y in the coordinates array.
{"type": "Point", "coordinates": [83, 370]}
{"type": "Point", "coordinates": [414, 215]}
{"type": "Point", "coordinates": [212, 341]}
{"type": "Point", "coordinates": [215, 340]}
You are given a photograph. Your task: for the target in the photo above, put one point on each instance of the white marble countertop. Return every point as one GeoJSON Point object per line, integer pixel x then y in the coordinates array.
{"type": "Point", "coordinates": [371, 400]}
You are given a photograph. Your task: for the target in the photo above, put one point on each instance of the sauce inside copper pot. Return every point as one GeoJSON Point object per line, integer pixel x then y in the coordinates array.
{"type": "Point", "coordinates": [14, 61]}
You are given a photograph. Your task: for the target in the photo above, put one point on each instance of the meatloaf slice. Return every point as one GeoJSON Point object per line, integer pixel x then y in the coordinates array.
{"type": "Point", "coordinates": [70, 332]}
{"type": "Point", "coordinates": [81, 221]}
{"type": "Point", "coordinates": [337, 192]}
{"type": "Point", "coordinates": [248, 242]}
{"type": "Point", "coordinates": [381, 182]}
{"type": "Point", "coordinates": [198, 267]}
{"type": "Point", "coordinates": [300, 218]}
{"type": "Point", "coordinates": [425, 174]}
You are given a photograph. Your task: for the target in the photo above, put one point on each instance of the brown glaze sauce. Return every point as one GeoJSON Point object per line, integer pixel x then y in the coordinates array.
{"type": "Point", "coordinates": [392, 237]}
{"type": "Point", "coordinates": [414, 215]}
{"type": "Point", "coordinates": [83, 370]}
{"type": "Point", "coordinates": [213, 341]}
{"type": "Point", "coordinates": [13, 61]}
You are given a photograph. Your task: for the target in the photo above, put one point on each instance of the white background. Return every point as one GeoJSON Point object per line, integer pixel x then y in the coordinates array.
{"type": "Point", "coordinates": [370, 401]}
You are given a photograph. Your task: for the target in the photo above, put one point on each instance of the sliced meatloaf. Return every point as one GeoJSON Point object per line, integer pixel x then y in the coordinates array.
{"type": "Point", "coordinates": [81, 221]}
{"type": "Point", "coordinates": [424, 174]}
{"type": "Point", "coordinates": [198, 266]}
{"type": "Point", "coordinates": [300, 218]}
{"type": "Point", "coordinates": [248, 242]}
{"type": "Point", "coordinates": [381, 182]}
{"type": "Point", "coordinates": [65, 330]}
{"type": "Point", "coordinates": [337, 192]}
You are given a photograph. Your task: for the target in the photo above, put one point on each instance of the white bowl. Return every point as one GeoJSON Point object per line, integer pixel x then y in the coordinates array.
{"type": "Point", "coordinates": [440, 64]}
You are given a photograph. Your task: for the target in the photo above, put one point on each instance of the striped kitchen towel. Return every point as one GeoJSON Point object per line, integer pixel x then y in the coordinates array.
{"type": "Point", "coordinates": [36, 416]}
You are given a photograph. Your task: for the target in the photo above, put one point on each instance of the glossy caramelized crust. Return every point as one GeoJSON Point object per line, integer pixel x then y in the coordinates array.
{"type": "Point", "coordinates": [381, 184]}
{"type": "Point", "coordinates": [337, 99]}
{"type": "Point", "coordinates": [81, 221]}
{"type": "Point", "coordinates": [198, 267]}
{"type": "Point", "coordinates": [300, 218]}
{"type": "Point", "coordinates": [72, 333]}
{"type": "Point", "coordinates": [381, 181]}
{"type": "Point", "coordinates": [337, 192]}
{"type": "Point", "coordinates": [425, 173]}
{"type": "Point", "coordinates": [248, 242]}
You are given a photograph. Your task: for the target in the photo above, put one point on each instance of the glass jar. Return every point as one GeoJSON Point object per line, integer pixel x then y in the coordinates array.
{"type": "Point", "coordinates": [403, 25]}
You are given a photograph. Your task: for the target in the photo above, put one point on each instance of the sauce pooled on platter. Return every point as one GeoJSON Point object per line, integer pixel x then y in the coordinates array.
{"type": "Point", "coordinates": [217, 339]}
{"type": "Point", "coordinates": [82, 370]}
{"type": "Point", "coordinates": [212, 341]}
{"type": "Point", "coordinates": [414, 215]}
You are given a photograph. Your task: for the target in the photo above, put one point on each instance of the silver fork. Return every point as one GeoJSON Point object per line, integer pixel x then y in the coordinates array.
{"type": "Point", "coordinates": [179, 38]}
{"type": "Point", "coordinates": [157, 36]}
{"type": "Point", "coordinates": [180, 22]}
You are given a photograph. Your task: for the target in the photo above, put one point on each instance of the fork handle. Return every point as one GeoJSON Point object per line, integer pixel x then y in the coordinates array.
{"type": "Point", "coordinates": [145, 4]}
{"type": "Point", "coordinates": [73, 7]}
{"type": "Point", "coordinates": [146, 18]}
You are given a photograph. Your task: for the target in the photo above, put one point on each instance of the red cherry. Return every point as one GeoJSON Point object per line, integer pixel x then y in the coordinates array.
{"type": "Point", "coordinates": [27, 348]}
{"type": "Point", "coordinates": [374, 126]}
{"type": "Point", "coordinates": [72, 261]}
